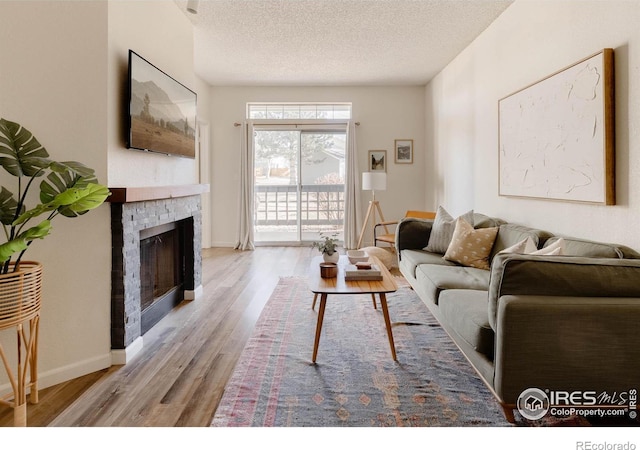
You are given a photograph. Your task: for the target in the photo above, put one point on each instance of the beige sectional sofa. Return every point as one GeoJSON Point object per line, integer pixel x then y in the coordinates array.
{"type": "Point", "coordinates": [558, 323]}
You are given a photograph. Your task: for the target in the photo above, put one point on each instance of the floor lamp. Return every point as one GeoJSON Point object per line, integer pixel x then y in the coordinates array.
{"type": "Point", "coordinates": [373, 181]}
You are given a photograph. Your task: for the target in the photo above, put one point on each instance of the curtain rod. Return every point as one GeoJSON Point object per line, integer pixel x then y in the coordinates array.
{"type": "Point", "coordinates": [237, 124]}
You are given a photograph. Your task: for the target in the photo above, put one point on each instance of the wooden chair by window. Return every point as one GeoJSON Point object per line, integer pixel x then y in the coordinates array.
{"type": "Point", "coordinates": [390, 238]}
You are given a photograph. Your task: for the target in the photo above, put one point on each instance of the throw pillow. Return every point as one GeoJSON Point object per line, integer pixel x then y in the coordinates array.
{"type": "Point", "coordinates": [471, 247]}
{"type": "Point", "coordinates": [554, 249]}
{"type": "Point", "coordinates": [386, 255]}
{"type": "Point", "coordinates": [547, 252]}
{"type": "Point", "coordinates": [525, 246]}
{"type": "Point", "coordinates": [442, 230]}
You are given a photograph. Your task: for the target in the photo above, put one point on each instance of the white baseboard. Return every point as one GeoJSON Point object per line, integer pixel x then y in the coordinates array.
{"type": "Point", "coordinates": [195, 294]}
{"type": "Point", "coordinates": [81, 368]}
{"type": "Point", "coordinates": [222, 244]}
{"type": "Point", "coordinates": [123, 356]}
{"type": "Point", "coordinates": [66, 373]}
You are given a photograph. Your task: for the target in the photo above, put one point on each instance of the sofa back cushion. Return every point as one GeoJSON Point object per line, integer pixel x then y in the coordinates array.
{"type": "Point", "coordinates": [592, 249]}
{"type": "Point", "coordinates": [484, 221]}
{"type": "Point", "coordinates": [561, 276]}
{"type": "Point", "coordinates": [510, 234]}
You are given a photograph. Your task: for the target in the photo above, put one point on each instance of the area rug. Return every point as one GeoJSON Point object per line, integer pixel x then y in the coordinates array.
{"type": "Point", "coordinates": [355, 382]}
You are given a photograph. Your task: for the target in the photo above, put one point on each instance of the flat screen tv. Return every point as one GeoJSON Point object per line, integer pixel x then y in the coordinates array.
{"type": "Point", "coordinates": [162, 111]}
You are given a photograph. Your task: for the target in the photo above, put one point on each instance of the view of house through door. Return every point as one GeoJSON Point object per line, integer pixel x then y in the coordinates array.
{"type": "Point", "coordinates": [299, 183]}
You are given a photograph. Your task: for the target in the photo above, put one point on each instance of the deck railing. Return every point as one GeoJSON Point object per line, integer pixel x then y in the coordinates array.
{"type": "Point", "coordinates": [320, 204]}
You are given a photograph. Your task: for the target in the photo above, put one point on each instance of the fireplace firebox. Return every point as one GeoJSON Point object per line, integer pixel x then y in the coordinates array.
{"type": "Point", "coordinates": [161, 272]}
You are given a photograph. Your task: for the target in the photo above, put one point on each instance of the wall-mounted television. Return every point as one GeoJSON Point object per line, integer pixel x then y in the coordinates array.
{"type": "Point", "coordinates": [162, 111]}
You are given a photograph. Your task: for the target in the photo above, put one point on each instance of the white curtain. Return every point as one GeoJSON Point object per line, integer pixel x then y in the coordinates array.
{"type": "Point", "coordinates": [352, 191]}
{"type": "Point", "coordinates": [245, 218]}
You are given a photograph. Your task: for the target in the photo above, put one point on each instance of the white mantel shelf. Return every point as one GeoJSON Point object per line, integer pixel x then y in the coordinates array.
{"type": "Point", "coordinates": [145, 193]}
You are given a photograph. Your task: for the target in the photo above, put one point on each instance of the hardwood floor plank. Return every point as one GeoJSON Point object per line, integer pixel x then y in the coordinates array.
{"type": "Point", "coordinates": [178, 378]}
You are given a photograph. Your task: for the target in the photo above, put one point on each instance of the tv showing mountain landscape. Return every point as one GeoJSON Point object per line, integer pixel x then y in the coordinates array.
{"type": "Point", "coordinates": [162, 111]}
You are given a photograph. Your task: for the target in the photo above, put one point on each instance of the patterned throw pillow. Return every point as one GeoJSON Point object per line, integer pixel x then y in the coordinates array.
{"type": "Point", "coordinates": [442, 230]}
{"type": "Point", "coordinates": [471, 247]}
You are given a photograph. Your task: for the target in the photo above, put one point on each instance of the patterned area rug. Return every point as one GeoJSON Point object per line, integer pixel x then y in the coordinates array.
{"type": "Point", "coordinates": [355, 382]}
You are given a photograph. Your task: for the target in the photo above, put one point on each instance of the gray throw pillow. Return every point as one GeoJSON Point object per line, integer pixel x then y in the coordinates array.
{"type": "Point", "coordinates": [442, 230]}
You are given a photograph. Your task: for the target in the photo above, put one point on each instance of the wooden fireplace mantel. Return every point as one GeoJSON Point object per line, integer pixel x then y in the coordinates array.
{"type": "Point", "coordinates": [141, 194]}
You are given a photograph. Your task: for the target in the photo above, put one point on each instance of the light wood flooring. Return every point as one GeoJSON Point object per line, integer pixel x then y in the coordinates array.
{"type": "Point", "coordinates": [179, 377]}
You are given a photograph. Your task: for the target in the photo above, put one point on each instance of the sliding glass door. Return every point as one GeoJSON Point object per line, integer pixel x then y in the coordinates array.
{"type": "Point", "coordinates": [299, 183]}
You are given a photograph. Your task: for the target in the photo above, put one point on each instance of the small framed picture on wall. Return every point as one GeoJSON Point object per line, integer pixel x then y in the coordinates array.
{"type": "Point", "coordinates": [377, 160]}
{"type": "Point", "coordinates": [404, 151]}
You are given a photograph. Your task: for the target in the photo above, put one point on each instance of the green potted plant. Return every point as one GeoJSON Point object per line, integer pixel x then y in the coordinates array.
{"type": "Point", "coordinates": [67, 189]}
{"type": "Point", "coordinates": [328, 246]}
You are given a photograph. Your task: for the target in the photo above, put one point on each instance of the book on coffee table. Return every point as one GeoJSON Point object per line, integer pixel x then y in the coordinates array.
{"type": "Point", "coordinates": [352, 273]}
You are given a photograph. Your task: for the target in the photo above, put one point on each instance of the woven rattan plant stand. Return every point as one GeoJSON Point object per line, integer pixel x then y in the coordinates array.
{"type": "Point", "coordinates": [20, 295]}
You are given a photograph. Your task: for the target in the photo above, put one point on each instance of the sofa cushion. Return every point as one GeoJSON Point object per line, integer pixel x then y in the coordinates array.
{"type": "Point", "coordinates": [510, 234]}
{"type": "Point", "coordinates": [413, 258]}
{"type": "Point", "coordinates": [471, 247]}
{"type": "Point", "coordinates": [437, 278]}
{"type": "Point", "coordinates": [581, 247]}
{"type": "Point", "coordinates": [628, 252]}
{"type": "Point", "coordinates": [466, 313]}
{"type": "Point", "coordinates": [412, 233]}
{"type": "Point", "coordinates": [442, 230]}
{"type": "Point", "coordinates": [484, 221]}
{"type": "Point", "coordinates": [568, 276]}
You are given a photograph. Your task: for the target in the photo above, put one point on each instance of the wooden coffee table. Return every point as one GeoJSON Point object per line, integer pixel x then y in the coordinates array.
{"type": "Point", "coordinates": [338, 286]}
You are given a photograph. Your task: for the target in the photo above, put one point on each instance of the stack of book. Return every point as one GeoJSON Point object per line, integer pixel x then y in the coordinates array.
{"type": "Point", "coordinates": [354, 273]}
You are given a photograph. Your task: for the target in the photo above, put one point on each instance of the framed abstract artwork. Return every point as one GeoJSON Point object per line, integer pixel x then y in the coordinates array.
{"type": "Point", "coordinates": [556, 136]}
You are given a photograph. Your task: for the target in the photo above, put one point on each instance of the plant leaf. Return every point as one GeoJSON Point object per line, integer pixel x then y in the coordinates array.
{"type": "Point", "coordinates": [8, 207]}
{"type": "Point", "coordinates": [13, 246]}
{"type": "Point", "coordinates": [21, 242]}
{"type": "Point", "coordinates": [20, 152]}
{"type": "Point", "coordinates": [34, 212]}
{"type": "Point", "coordinates": [70, 203]}
{"type": "Point", "coordinates": [65, 175]}
{"type": "Point", "coordinates": [86, 199]}
{"type": "Point", "coordinates": [40, 231]}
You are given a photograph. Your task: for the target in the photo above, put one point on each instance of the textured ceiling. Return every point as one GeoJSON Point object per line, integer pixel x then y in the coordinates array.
{"type": "Point", "coordinates": [333, 42]}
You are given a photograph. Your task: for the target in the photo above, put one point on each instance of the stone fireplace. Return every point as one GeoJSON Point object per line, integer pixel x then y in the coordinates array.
{"type": "Point", "coordinates": [156, 259]}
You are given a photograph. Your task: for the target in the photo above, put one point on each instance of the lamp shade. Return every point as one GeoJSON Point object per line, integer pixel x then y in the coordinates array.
{"type": "Point", "coordinates": [374, 181]}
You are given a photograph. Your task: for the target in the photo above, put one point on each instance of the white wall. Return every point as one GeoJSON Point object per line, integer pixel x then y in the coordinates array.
{"type": "Point", "coordinates": [64, 76]}
{"type": "Point", "coordinates": [529, 41]}
{"type": "Point", "coordinates": [159, 32]}
{"type": "Point", "coordinates": [53, 81]}
{"type": "Point", "coordinates": [384, 113]}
